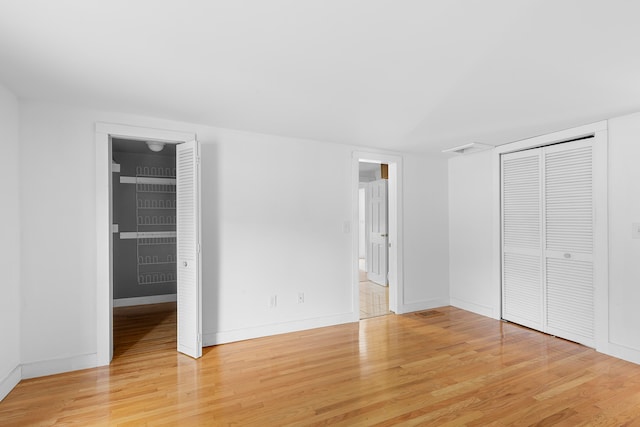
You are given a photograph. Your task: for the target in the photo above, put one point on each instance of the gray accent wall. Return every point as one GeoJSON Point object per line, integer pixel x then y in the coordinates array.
{"type": "Point", "coordinates": [125, 252]}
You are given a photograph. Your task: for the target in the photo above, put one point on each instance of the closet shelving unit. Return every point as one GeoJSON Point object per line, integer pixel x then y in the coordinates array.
{"type": "Point", "coordinates": [155, 224]}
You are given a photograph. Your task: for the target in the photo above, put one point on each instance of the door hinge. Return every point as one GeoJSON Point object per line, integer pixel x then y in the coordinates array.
{"type": "Point", "coordinates": [198, 160]}
{"type": "Point", "coordinates": [198, 248]}
{"type": "Point", "coordinates": [199, 339]}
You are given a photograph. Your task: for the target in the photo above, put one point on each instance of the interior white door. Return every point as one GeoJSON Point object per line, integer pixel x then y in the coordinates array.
{"type": "Point", "coordinates": [189, 288]}
{"type": "Point", "coordinates": [377, 229]}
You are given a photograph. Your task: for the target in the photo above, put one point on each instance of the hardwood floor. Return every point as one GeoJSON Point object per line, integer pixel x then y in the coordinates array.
{"type": "Point", "coordinates": [440, 367]}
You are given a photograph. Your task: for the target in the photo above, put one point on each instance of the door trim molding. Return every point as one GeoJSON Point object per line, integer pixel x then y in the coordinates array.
{"type": "Point", "coordinates": [104, 256]}
{"type": "Point", "coordinates": [395, 216]}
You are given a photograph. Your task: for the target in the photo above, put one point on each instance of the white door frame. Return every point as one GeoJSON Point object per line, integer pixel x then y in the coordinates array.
{"type": "Point", "coordinates": [396, 283]}
{"type": "Point", "coordinates": [104, 249]}
{"type": "Point", "coordinates": [601, 255]}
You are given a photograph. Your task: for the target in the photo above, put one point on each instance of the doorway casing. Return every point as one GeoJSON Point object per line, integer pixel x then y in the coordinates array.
{"type": "Point", "coordinates": [396, 284]}
{"type": "Point", "coordinates": [104, 251]}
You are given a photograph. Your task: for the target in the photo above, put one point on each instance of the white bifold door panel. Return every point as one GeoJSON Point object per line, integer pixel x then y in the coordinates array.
{"type": "Point", "coordinates": [521, 239]}
{"type": "Point", "coordinates": [569, 241]}
{"type": "Point", "coordinates": [189, 289]}
{"type": "Point", "coordinates": [377, 230]}
{"type": "Point", "coordinates": [548, 240]}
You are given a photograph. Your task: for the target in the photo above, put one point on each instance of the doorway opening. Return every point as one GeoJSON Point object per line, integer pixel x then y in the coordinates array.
{"type": "Point", "coordinates": [106, 135]}
{"type": "Point", "coordinates": [144, 243]}
{"type": "Point", "coordinates": [377, 238]}
{"type": "Point", "coordinates": [373, 250]}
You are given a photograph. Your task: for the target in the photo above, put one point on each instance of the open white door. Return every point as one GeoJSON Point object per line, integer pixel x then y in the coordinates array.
{"type": "Point", "coordinates": [188, 239]}
{"type": "Point", "coordinates": [378, 248]}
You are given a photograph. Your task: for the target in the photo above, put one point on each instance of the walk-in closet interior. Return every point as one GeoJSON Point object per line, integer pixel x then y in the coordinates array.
{"type": "Point", "coordinates": [144, 222]}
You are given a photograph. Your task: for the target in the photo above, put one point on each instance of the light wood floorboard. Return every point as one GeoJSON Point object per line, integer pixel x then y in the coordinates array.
{"type": "Point", "coordinates": [440, 367]}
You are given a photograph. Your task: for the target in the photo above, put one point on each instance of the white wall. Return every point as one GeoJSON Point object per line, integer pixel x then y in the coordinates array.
{"type": "Point", "coordinates": [58, 235]}
{"type": "Point", "coordinates": [473, 286]}
{"type": "Point", "coordinates": [426, 240]}
{"type": "Point", "coordinates": [9, 244]}
{"type": "Point", "coordinates": [273, 215]}
{"type": "Point", "coordinates": [624, 251]}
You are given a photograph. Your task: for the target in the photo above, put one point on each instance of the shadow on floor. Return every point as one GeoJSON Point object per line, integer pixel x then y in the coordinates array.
{"type": "Point", "coordinates": [143, 328]}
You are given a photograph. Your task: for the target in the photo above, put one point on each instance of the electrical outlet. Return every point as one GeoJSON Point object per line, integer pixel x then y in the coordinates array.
{"type": "Point", "coordinates": [300, 297]}
{"type": "Point", "coordinates": [273, 301]}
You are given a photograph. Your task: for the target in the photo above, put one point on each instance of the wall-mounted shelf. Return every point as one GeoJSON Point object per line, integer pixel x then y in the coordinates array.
{"type": "Point", "coordinates": [146, 234]}
{"type": "Point", "coordinates": [157, 241]}
{"type": "Point", "coordinates": [156, 220]}
{"type": "Point", "coordinates": [156, 260]}
{"type": "Point", "coordinates": [155, 209]}
{"type": "Point", "coordinates": [156, 204]}
{"type": "Point", "coordinates": [156, 278]}
{"type": "Point", "coordinates": [157, 263]}
{"type": "Point", "coordinates": [147, 180]}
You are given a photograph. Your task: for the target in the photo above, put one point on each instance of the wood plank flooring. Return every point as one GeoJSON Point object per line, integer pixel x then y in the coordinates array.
{"type": "Point", "coordinates": [441, 367]}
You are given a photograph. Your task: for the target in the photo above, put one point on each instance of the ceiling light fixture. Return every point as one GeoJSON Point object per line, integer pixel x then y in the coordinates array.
{"type": "Point", "coordinates": [155, 146]}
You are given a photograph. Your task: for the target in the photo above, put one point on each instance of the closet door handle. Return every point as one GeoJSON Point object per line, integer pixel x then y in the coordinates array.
{"type": "Point", "coordinates": [184, 263]}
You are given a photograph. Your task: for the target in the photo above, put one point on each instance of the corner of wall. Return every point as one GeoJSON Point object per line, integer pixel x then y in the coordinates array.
{"type": "Point", "coordinates": [10, 381]}
{"type": "Point", "coordinates": [10, 246]}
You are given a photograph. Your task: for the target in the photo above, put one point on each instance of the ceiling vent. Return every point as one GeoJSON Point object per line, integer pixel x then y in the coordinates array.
{"type": "Point", "coordinates": [468, 148]}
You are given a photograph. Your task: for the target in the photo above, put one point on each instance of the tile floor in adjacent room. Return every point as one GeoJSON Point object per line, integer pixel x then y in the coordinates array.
{"type": "Point", "coordinates": [374, 298]}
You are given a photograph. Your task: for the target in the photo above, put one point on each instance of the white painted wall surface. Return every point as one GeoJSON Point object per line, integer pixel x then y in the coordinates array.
{"type": "Point", "coordinates": [272, 224]}
{"type": "Point", "coordinates": [57, 187]}
{"type": "Point", "coordinates": [624, 251]}
{"type": "Point", "coordinates": [272, 220]}
{"type": "Point", "coordinates": [426, 240]}
{"type": "Point", "coordinates": [9, 243]}
{"type": "Point", "coordinates": [471, 233]}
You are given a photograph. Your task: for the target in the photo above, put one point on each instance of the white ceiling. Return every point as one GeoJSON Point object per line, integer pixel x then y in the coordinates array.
{"type": "Point", "coordinates": [415, 76]}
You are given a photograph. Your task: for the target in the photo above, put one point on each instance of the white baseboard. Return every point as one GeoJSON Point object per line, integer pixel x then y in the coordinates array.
{"type": "Point", "coordinates": [622, 352]}
{"type": "Point", "coordinates": [10, 381]}
{"type": "Point", "coordinates": [482, 310]}
{"type": "Point", "coordinates": [57, 366]}
{"type": "Point", "coordinates": [423, 305]}
{"type": "Point", "coordinates": [153, 299]}
{"type": "Point", "coordinates": [215, 338]}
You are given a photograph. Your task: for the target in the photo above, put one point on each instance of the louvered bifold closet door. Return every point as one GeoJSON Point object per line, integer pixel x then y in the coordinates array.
{"type": "Point", "coordinates": [569, 241]}
{"type": "Point", "coordinates": [189, 287]}
{"type": "Point", "coordinates": [522, 296]}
